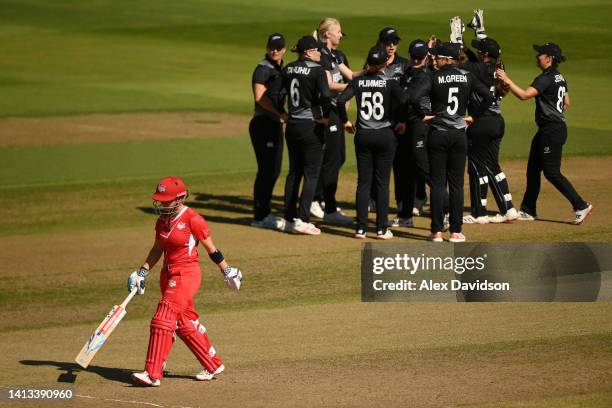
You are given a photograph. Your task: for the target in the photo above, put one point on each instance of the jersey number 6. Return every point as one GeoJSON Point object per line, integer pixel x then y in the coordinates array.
{"type": "Point", "coordinates": [294, 91]}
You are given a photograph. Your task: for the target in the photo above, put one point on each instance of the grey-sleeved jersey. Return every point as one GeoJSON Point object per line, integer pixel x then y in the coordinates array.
{"type": "Point", "coordinates": [552, 87]}
{"type": "Point", "coordinates": [268, 73]}
{"type": "Point", "coordinates": [308, 93]}
{"type": "Point", "coordinates": [377, 97]}
{"type": "Point", "coordinates": [450, 89]}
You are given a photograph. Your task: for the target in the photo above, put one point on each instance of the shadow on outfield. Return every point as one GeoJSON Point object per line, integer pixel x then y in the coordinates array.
{"type": "Point", "coordinates": [70, 371]}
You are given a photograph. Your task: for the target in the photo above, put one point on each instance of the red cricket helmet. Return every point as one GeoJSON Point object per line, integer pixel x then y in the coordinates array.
{"type": "Point", "coordinates": [169, 189]}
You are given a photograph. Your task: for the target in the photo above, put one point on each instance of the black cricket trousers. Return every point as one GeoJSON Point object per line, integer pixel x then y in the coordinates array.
{"type": "Point", "coordinates": [484, 142]}
{"type": "Point", "coordinates": [375, 150]}
{"type": "Point", "coordinates": [447, 156]}
{"type": "Point", "coordinates": [305, 147]}
{"type": "Point", "coordinates": [267, 140]}
{"type": "Point", "coordinates": [545, 156]}
{"type": "Point", "coordinates": [334, 157]}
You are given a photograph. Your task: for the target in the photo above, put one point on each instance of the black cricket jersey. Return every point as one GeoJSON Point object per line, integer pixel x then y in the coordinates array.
{"type": "Point", "coordinates": [397, 68]}
{"type": "Point", "coordinates": [268, 73]}
{"type": "Point", "coordinates": [308, 94]}
{"type": "Point", "coordinates": [377, 98]}
{"type": "Point", "coordinates": [485, 72]}
{"type": "Point", "coordinates": [450, 89]}
{"type": "Point", "coordinates": [413, 79]}
{"type": "Point", "coordinates": [552, 87]}
{"type": "Point", "coordinates": [330, 62]}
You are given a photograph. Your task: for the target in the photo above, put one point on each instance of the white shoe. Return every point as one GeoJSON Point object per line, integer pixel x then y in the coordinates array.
{"type": "Point", "coordinates": [457, 237]}
{"type": "Point", "coordinates": [360, 234]}
{"type": "Point", "coordinates": [316, 210]}
{"type": "Point", "coordinates": [386, 235]}
{"type": "Point", "coordinates": [284, 225]}
{"type": "Point", "coordinates": [523, 216]}
{"type": "Point", "coordinates": [269, 222]}
{"type": "Point", "coordinates": [435, 237]}
{"type": "Point", "coordinates": [144, 379]}
{"type": "Point", "coordinates": [206, 375]}
{"type": "Point", "coordinates": [337, 217]}
{"type": "Point", "coordinates": [301, 227]}
{"type": "Point", "coordinates": [401, 222]}
{"type": "Point", "coordinates": [470, 219]}
{"type": "Point", "coordinates": [511, 214]}
{"type": "Point", "coordinates": [582, 215]}
{"type": "Point", "coordinates": [417, 210]}
{"type": "Point", "coordinates": [446, 222]}
{"type": "Point", "coordinates": [497, 219]}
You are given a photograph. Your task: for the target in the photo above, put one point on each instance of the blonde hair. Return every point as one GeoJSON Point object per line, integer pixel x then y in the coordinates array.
{"type": "Point", "coordinates": [324, 27]}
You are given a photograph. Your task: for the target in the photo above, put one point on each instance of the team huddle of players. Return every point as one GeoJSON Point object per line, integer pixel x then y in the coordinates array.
{"type": "Point", "coordinates": [424, 118]}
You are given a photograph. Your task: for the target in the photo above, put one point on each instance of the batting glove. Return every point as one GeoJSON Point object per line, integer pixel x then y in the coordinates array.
{"type": "Point", "coordinates": [233, 278]}
{"type": "Point", "coordinates": [137, 280]}
{"type": "Point", "coordinates": [457, 28]}
{"type": "Point", "coordinates": [477, 24]}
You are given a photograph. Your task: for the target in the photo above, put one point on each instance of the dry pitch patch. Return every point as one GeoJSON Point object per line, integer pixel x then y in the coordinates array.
{"type": "Point", "coordinates": [104, 128]}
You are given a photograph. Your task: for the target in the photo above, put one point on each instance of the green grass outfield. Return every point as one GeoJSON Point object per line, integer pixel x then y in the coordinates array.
{"type": "Point", "coordinates": [77, 219]}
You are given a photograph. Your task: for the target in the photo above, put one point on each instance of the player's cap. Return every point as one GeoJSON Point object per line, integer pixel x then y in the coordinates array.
{"type": "Point", "coordinates": [388, 35]}
{"type": "Point", "coordinates": [308, 42]}
{"type": "Point", "coordinates": [551, 49]}
{"type": "Point", "coordinates": [487, 46]}
{"type": "Point", "coordinates": [446, 50]}
{"type": "Point", "coordinates": [276, 41]}
{"type": "Point", "coordinates": [418, 49]}
{"type": "Point", "coordinates": [169, 189]}
{"type": "Point", "coordinates": [377, 56]}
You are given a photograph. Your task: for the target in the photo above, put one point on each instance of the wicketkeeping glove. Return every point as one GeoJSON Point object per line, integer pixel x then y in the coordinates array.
{"type": "Point", "coordinates": [137, 280]}
{"type": "Point", "coordinates": [456, 30]}
{"type": "Point", "coordinates": [477, 24]}
{"type": "Point", "coordinates": [233, 278]}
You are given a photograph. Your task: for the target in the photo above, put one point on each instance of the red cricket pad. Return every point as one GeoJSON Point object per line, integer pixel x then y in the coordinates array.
{"type": "Point", "coordinates": [169, 188]}
{"type": "Point", "coordinates": [163, 325]}
{"type": "Point", "coordinates": [193, 334]}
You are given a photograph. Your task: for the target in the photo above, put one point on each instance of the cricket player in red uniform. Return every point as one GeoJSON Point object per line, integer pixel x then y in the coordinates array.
{"type": "Point", "coordinates": [178, 231]}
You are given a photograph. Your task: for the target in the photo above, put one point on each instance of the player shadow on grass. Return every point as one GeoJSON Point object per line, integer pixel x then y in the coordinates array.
{"type": "Point", "coordinates": [71, 370]}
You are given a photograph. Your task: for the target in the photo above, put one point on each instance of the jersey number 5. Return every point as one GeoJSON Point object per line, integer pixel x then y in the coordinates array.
{"type": "Point", "coordinates": [452, 99]}
{"type": "Point", "coordinates": [373, 108]}
{"type": "Point", "coordinates": [294, 92]}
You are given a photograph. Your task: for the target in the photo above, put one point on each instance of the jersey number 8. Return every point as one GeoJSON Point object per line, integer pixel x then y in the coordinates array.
{"type": "Point", "coordinates": [561, 96]}
{"type": "Point", "coordinates": [374, 108]}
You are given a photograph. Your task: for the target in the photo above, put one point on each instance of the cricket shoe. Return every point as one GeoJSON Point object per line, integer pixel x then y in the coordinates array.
{"type": "Point", "coordinates": [306, 228]}
{"type": "Point", "coordinates": [269, 222]}
{"type": "Point", "coordinates": [456, 237]}
{"type": "Point", "coordinates": [525, 216]}
{"type": "Point", "coordinates": [401, 222]}
{"type": "Point", "coordinates": [206, 375]}
{"type": "Point", "coordinates": [316, 210]}
{"type": "Point", "coordinates": [384, 235]}
{"type": "Point", "coordinates": [511, 214]}
{"type": "Point", "coordinates": [144, 379]}
{"type": "Point", "coordinates": [582, 215]}
{"type": "Point", "coordinates": [284, 225]}
{"type": "Point", "coordinates": [470, 219]}
{"type": "Point", "coordinates": [337, 217]}
{"type": "Point", "coordinates": [417, 210]}
{"type": "Point", "coordinates": [360, 234]}
{"type": "Point", "coordinates": [435, 237]}
{"type": "Point", "coordinates": [497, 219]}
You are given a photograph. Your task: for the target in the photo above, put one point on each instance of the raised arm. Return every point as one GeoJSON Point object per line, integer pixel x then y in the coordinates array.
{"type": "Point", "coordinates": [522, 94]}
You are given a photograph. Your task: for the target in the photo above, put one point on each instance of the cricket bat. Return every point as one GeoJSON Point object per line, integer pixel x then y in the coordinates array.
{"type": "Point", "coordinates": [104, 330]}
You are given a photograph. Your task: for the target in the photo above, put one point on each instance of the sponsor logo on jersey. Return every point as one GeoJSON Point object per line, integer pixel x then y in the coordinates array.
{"type": "Point", "coordinates": [172, 283]}
{"type": "Point", "coordinates": [546, 149]}
{"type": "Point", "coordinates": [420, 144]}
{"type": "Point", "coordinates": [180, 225]}
{"type": "Point", "coordinates": [446, 79]}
